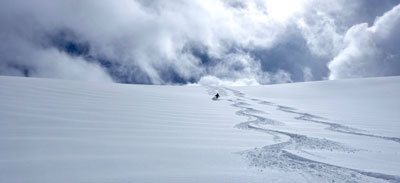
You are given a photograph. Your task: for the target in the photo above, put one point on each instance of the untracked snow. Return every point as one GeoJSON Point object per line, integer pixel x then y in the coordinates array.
{"type": "Point", "coordinates": [331, 131]}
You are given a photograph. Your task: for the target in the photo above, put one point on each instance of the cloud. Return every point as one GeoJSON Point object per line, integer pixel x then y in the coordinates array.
{"type": "Point", "coordinates": [307, 75]}
{"type": "Point", "coordinates": [214, 81]}
{"type": "Point", "coordinates": [27, 60]}
{"type": "Point", "coordinates": [154, 39]}
{"type": "Point", "coordinates": [168, 42]}
{"type": "Point", "coordinates": [370, 51]}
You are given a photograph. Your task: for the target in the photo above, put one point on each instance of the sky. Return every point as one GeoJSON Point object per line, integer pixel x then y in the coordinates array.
{"type": "Point", "coordinates": [239, 42]}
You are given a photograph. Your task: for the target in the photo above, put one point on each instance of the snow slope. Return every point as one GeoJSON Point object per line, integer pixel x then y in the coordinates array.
{"type": "Point", "coordinates": [66, 131]}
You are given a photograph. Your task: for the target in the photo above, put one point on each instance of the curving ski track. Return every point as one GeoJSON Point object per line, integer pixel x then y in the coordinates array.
{"type": "Point", "coordinates": [332, 126]}
{"type": "Point", "coordinates": [279, 157]}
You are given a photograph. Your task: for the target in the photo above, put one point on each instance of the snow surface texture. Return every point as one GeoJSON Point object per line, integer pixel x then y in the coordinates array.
{"type": "Point", "coordinates": [65, 131]}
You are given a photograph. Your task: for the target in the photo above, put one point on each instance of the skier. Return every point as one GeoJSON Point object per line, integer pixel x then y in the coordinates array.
{"type": "Point", "coordinates": [217, 96]}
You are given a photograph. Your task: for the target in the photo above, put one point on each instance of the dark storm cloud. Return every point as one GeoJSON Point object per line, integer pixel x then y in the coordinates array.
{"type": "Point", "coordinates": [167, 42]}
{"type": "Point", "coordinates": [293, 55]}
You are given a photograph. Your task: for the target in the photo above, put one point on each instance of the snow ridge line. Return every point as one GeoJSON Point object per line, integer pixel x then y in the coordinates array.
{"type": "Point", "coordinates": [278, 157]}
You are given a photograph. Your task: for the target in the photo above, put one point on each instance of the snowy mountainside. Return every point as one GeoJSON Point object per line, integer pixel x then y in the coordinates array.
{"type": "Point", "coordinates": [331, 131]}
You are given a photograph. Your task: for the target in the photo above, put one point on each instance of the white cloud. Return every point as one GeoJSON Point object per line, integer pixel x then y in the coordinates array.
{"type": "Point", "coordinates": [282, 10]}
{"type": "Point", "coordinates": [369, 50]}
{"type": "Point", "coordinates": [321, 34]}
{"type": "Point", "coordinates": [214, 81]}
{"type": "Point", "coordinates": [49, 62]}
{"type": "Point", "coordinates": [281, 77]}
{"type": "Point", "coordinates": [147, 39]}
{"type": "Point", "coordinates": [307, 74]}
{"type": "Point", "coordinates": [148, 35]}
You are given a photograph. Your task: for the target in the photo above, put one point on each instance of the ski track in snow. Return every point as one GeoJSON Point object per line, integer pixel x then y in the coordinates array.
{"type": "Point", "coordinates": [278, 156]}
{"type": "Point", "coordinates": [332, 126]}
